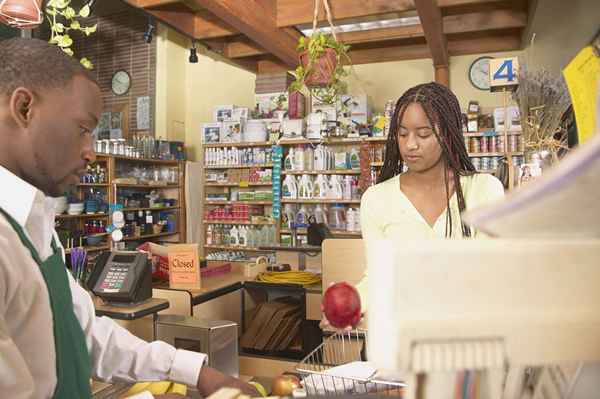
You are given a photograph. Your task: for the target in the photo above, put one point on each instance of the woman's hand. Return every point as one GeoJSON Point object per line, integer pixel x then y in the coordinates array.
{"type": "Point", "coordinates": [210, 380]}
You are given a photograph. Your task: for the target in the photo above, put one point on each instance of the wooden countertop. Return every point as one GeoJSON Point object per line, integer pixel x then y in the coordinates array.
{"type": "Point", "coordinates": [215, 286]}
{"type": "Point", "coordinates": [124, 312]}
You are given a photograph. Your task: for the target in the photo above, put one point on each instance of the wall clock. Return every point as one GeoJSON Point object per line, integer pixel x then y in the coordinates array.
{"type": "Point", "coordinates": [479, 73]}
{"type": "Point", "coordinates": [121, 82]}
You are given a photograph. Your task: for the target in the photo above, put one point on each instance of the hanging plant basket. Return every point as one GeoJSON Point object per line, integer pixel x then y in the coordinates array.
{"type": "Point", "coordinates": [22, 14]}
{"type": "Point", "coordinates": [320, 72]}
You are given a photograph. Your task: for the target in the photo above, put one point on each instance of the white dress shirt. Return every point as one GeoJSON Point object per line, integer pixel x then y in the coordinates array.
{"type": "Point", "coordinates": [27, 357]}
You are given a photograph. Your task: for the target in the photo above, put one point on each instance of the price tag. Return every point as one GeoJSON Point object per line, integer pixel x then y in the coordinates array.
{"type": "Point", "coordinates": [504, 73]}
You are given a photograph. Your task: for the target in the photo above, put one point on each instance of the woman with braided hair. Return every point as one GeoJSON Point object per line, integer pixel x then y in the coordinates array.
{"type": "Point", "coordinates": [439, 183]}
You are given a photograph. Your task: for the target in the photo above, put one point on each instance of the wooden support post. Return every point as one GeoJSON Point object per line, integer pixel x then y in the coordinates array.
{"type": "Point", "coordinates": [442, 74]}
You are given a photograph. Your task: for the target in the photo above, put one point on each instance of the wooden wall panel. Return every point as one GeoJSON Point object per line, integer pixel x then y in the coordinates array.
{"type": "Point", "coordinates": [119, 44]}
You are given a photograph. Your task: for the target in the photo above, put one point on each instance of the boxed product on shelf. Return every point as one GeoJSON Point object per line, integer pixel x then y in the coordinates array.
{"type": "Point", "coordinates": [273, 82]}
{"type": "Point", "coordinates": [239, 114]}
{"type": "Point", "coordinates": [263, 195]}
{"type": "Point", "coordinates": [254, 130]}
{"type": "Point", "coordinates": [217, 197]}
{"type": "Point", "coordinates": [223, 113]}
{"type": "Point", "coordinates": [267, 103]}
{"type": "Point", "coordinates": [296, 105]}
{"type": "Point", "coordinates": [211, 132]}
{"type": "Point", "coordinates": [293, 128]}
{"type": "Point", "coordinates": [234, 175]}
{"type": "Point", "coordinates": [246, 196]}
{"type": "Point", "coordinates": [357, 107]}
{"type": "Point", "coordinates": [231, 132]}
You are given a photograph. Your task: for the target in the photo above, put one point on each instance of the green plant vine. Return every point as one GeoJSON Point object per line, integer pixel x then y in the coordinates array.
{"type": "Point", "coordinates": [63, 19]}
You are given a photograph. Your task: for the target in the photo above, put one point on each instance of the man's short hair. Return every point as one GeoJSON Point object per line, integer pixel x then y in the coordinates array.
{"type": "Point", "coordinates": [36, 65]}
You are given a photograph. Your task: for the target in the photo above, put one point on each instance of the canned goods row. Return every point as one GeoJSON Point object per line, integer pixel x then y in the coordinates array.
{"type": "Point", "coordinates": [493, 144]}
{"type": "Point", "coordinates": [485, 163]}
{"type": "Point", "coordinates": [518, 160]}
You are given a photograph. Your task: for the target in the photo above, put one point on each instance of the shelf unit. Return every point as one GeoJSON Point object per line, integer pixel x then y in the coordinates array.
{"type": "Point", "coordinates": [237, 222]}
{"type": "Point", "coordinates": [339, 233]}
{"type": "Point", "coordinates": [490, 133]}
{"type": "Point", "coordinates": [322, 172]}
{"type": "Point", "coordinates": [226, 188]}
{"type": "Point", "coordinates": [318, 201]}
{"type": "Point", "coordinates": [256, 166]}
{"type": "Point", "coordinates": [110, 191]}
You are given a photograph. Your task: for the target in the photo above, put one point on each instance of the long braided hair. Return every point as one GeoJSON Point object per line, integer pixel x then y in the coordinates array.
{"type": "Point", "coordinates": [443, 112]}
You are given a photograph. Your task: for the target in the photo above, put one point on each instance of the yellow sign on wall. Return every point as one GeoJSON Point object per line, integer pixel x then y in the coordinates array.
{"type": "Point", "coordinates": [583, 78]}
{"type": "Point", "coordinates": [504, 73]}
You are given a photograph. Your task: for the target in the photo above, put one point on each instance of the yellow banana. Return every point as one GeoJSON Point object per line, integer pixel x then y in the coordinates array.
{"type": "Point", "coordinates": [261, 390]}
{"type": "Point", "coordinates": [137, 388]}
{"type": "Point", "coordinates": [178, 388]}
{"type": "Point", "coordinates": [158, 388]}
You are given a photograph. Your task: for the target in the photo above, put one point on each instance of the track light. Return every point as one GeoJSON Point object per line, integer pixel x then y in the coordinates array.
{"type": "Point", "coordinates": [193, 54]}
{"type": "Point", "coordinates": [149, 32]}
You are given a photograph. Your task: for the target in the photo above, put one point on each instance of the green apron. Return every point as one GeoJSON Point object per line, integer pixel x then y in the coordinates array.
{"type": "Point", "coordinates": [72, 358]}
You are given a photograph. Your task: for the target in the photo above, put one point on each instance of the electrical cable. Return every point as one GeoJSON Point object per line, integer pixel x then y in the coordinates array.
{"type": "Point", "coordinates": [291, 277]}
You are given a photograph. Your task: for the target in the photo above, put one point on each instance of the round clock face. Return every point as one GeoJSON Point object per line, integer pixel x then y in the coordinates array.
{"type": "Point", "coordinates": [121, 82]}
{"type": "Point", "coordinates": [479, 73]}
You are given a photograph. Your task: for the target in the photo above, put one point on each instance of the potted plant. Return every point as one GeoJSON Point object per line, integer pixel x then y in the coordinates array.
{"type": "Point", "coordinates": [22, 14]}
{"type": "Point", "coordinates": [63, 19]}
{"type": "Point", "coordinates": [321, 67]}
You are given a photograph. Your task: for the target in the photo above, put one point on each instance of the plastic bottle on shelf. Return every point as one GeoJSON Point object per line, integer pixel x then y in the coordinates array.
{"type": "Point", "coordinates": [309, 157]}
{"type": "Point", "coordinates": [354, 159]}
{"type": "Point", "coordinates": [299, 158]}
{"type": "Point", "coordinates": [209, 232]}
{"type": "Point", "coordinates": [243, 236]}
{"type": "Point", "coordinates": [357, 219]}
{"type": "Point", "coordinates": [233, 236]}
{"type": "Point", "coordinates": [290, 214]}
{"type": "Point", "coordinates": [335, 187]}
{"type": "Point", "coordinates": [288, 163]}
{"type": "Point", "coordinates": [320, 215]}
{"type": "Point", "coordinates": [350, 218]}
{"type": "Point", "coordinates": [336, 217]}
{"type": "Point", "coordinates": [305, 188]}
{"type": "Point", "coordinates": [355, 189]}
{"type": "Point", "coordinates": [251, 237]}
{"type": "Point", "coordinates": [347, 188]}
{"type": "Point", "coordinates": [320, 187]}
{"type": "Point", "coordinates": [289, 188]}
{"type": "Point", "coordinates": [302, 217]}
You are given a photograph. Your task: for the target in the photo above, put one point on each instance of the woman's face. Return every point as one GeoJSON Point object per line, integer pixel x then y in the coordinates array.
{"type": "Point", "coordinates": [417, 141]}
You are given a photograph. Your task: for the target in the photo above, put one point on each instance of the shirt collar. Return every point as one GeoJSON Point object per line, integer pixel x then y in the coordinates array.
{"type": "Point", "coordinates": [19, 202]}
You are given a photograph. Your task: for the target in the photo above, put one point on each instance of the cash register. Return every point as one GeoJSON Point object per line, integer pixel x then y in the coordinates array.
{"type": "Point", "coordinates": [122, 277]}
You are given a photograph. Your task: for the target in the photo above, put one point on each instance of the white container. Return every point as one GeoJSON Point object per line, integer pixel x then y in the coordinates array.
{"type": "Point", "coordinates": [293, 128]}
{"type": "Point", "coordinates": [289, 188]}
{"type": "Point", "coordinates": [347, 188]}
{"type": "Point", "coordinates": [321, 187]}
{"type": "Point", "coordinates": [255, 130]}
{"type": "Point", "coordinates": [305, 189]}
{"type": "Point", "coordinates": [350, 218]}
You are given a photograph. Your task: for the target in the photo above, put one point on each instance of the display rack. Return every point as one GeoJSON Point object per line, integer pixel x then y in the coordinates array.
{"type": "Point", "coordinates": [110, 190]}
{"type": "Point", "coordinates": [225, 189]}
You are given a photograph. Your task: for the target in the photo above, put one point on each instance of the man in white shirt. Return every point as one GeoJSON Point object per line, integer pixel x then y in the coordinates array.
{"type": "Point", "coordinates": [51, 342]}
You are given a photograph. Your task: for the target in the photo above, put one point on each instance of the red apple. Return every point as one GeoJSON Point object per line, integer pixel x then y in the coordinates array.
{"type": "Point", "coordinates": [284, 385]}
{"type": "Point", "coordinates": [341, 305]}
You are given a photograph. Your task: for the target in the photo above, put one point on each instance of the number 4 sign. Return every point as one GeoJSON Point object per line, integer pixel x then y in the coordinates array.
{"type": "Point", "coordinates": [504, 73]}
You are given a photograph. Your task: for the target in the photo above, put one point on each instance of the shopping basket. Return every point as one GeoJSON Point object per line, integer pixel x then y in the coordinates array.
{"type": "Point", "coordinates": [322, 374]}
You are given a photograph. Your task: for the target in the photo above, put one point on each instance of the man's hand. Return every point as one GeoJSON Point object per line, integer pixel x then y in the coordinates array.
{"type": "Point", "coordinates": [210, 380]}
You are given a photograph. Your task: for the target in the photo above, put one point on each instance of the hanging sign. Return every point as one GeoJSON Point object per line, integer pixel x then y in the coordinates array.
{"type": "Point", "coordinates": [504, 73]}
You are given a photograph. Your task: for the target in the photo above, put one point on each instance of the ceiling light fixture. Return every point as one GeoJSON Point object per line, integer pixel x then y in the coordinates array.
{"type": "Point", "coordinates": [193, 54]}
{"type": "Point", "coordinates": [149, 32]}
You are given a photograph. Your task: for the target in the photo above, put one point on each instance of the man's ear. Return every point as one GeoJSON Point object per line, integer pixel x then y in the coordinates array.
{"type": "Point", "coordinates": [20, 106]}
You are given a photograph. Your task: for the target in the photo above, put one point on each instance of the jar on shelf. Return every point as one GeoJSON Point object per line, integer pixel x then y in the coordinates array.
{"type": "Point", "coordinates": [474, 145]}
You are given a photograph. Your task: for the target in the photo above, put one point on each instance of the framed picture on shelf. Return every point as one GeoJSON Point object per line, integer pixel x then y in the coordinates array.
{"type": "Point", "coordinates": [211, 132]}
{"type": "Point", "coordinates": [223, 113]}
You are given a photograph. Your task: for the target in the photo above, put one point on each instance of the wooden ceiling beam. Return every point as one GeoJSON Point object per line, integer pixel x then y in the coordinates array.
{"type": "Point", "coordinates": [299, 12]}
{"type": "Point", "coordinates": [387, 54]}
{"type": "Point", "coordinates": [468, 23]}
{"type": "Point", "coordinates": [480, 45]}
{"type": "Point", "coordinates": [207, 26]}
{"type": "Point", "coordinates": [431, 21]}
{"type": "Point", "coordinates": [257, 21]}
{"type": "Point", "coordinates": [154, 3]}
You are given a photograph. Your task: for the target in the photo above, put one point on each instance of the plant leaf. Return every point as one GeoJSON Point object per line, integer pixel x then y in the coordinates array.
{"type": "Point", "coordinates": [58, 27]}
{"type": "Point", "coordinates": [67, 51]}
{"type": "Point", "coordinates": [60, 4]}
{"type": "Point", "coordinates": [64, 41]}
{"type": "Point", "coordinates": [86, 63]}
{"type": "Point", "coordinates": [51, 11]}
{"type": "Point", "coordinates": [69, 13]}
{"type": "Point", "coordinates": [75, 25]}
{"type": "Point", "coordinates": [85, 11]}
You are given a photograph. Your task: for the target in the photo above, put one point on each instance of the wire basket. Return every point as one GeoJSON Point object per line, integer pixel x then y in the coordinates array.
{"type": "Point", "coordinates": [337, 350]}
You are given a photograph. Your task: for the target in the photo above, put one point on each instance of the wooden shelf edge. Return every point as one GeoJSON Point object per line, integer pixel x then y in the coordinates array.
{"type": "Point", "coordinates": [248, 223]}
{"type": "Point", "coordinates": [149, 236]}
{"type": "Point", "coordinates": [230, 248]}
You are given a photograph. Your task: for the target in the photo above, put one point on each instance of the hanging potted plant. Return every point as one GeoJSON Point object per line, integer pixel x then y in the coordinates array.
{"type": "Point", "coordinates": [21, 14]}
{"type": "Point", "coordinates": [321, 63]}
